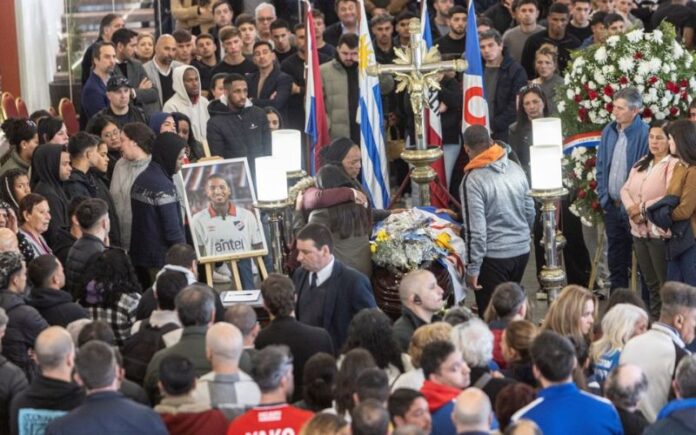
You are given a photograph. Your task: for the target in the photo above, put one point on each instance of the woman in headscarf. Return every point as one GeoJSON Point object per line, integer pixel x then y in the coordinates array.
{"type": "Point", "coordinates": [157, 222]}
{"type": "Point", "coordinates": [161, 122]}
{"type": "Point", "coordinates": [51, 166]}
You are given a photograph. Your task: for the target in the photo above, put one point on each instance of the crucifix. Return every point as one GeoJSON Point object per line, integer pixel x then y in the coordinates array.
{"type": "Point", "coordinates": [417, 71]}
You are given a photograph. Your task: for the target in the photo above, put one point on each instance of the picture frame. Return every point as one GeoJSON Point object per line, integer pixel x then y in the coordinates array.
{"type": "Point", "coordinates": [219, 197]}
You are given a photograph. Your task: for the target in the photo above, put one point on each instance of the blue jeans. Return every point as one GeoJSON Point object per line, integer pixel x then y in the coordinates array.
{"type": "Point", "coordinates": [246, 274]}
{"type": "Point", "coordinates": [620, 243]}
{"type": "Point", "coordinates": [683, 269]}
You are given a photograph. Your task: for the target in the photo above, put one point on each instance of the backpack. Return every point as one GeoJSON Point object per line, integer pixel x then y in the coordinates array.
{"type": "Point", "coordinates": [139, 348]}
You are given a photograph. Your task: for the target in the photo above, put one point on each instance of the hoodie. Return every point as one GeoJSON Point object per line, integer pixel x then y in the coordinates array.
{"type": "Point", "coordinates": [157, 222]}
{"type": "Point", "coordinates": [45, 165]}
{"type": "Point", "coordinates": [56, 306]}
{"type": "Point", "coordinates": [125, 173]}
{"type": "Point", "coordinates": [46, 393]}
{"type": "Point", "coordinates": [196, 110]}
{"type": "Point", "coordinates": [497, 211]}
{"type": "Point", "coordinates": [440, 399]}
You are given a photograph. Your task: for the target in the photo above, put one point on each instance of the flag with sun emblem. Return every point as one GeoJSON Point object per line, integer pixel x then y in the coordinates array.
{"type": "Point", "coordinates": [375, 177]}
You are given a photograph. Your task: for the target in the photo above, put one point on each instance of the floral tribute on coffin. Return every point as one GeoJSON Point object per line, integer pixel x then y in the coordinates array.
{"type": "Point", "coordinates": [415, 239]}
{"type": "Point", "coordinates": [655, 63]}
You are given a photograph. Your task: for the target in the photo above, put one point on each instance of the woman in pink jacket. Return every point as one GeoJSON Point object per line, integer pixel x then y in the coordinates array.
{"type": "Point", "coordinates": [647, 183]}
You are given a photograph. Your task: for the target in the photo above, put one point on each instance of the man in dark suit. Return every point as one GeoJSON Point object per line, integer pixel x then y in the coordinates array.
{"type": "Point", "coordinates": [329, 293]}
{"type": "Point", "coordinates": [143, 92]}
{"type": "Point", "coordinates": [268, 86]}
{"type": "Point", "coordinates": [348, 17]}
{"type": "Point", "coordinates": [279, 299]}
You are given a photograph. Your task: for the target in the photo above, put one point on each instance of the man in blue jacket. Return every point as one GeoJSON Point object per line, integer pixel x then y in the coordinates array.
{"type": "Point", "coordinates": [329, 293]}
{"type": "Point", "coordinates": [624, 142]}
{"type": "Point", "coordinates": [679, 415]}
{"type": "Point", "coordinates": [561, 407]}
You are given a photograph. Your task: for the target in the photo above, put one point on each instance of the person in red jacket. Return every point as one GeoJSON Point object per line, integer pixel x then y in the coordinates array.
{"type": "Point", "coordinates": [273, 374]}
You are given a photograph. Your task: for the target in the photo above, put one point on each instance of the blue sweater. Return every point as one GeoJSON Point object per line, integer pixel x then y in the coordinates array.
{"type": "Point", "coordinates": [564, 409]}
{"type": "Point", "coordinates": [94, 95]}
{"type": "Point", "coordinates": [637, 147]}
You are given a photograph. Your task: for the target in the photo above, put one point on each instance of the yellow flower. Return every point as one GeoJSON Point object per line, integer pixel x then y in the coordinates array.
{"type": "Point", "coordinates": [443, 241]}
{"type": "Point", "coordinates": [382, 236]}
{"type": "Point", "coordinates": [373, 247]}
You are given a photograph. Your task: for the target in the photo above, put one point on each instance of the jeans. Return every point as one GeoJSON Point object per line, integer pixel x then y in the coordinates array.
{"type": "Point", "coordinates": [496, 271]}
{"type": "Point", "coordinates": [619, 240]}
{"type": "Point", "coordinates": [683, 269]}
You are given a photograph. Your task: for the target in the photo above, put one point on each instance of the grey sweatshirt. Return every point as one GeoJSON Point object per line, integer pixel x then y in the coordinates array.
{"type": "Point", "coordinates": [125, 173]}
{"type": "Point", "coordinates": [498, 212]}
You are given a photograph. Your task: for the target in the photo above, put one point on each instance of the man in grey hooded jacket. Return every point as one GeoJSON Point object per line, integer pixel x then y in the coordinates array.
{"type": "Point", "coordinates": [497, 213]}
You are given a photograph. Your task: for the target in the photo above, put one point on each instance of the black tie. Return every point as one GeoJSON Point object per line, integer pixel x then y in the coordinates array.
{"type": "Point", "coordinates": [313, 280]}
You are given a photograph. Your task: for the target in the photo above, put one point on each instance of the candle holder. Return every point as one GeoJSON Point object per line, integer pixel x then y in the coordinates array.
{"type": "Point", "coordinates": [552, 276]}
{"type": "Point", "coordinates": [275, 210]}
{"type": "Point", "coordinates": [422, 172]}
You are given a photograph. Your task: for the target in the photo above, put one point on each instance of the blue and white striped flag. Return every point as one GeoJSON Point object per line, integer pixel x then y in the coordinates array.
{"type": "Point", "coordinates": [375, 178]}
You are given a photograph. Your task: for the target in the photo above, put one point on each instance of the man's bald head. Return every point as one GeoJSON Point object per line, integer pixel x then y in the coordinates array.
{"type": "Point", "coordinates": [54, 348]}
{"type": "Point", "coordinates": [472, 411]}
{"type": "Point", "coordinates": [8, 241]}
{"type": "Point", "coordinates": [523, 427]}
{"type": "Point", "coordinates": [412, 283]}
{"type": "Point", "coordinates": [165, 49]}
{"type": "Point", "coordinates": [625, 386]}
{"type": "Point", "coordinates": [224, 341]}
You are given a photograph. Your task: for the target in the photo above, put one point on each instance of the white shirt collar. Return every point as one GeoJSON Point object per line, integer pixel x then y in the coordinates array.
{"type": "Point", "coordinates": [159, 68]}
{"type": "Point", "coordinates": [325, 273]}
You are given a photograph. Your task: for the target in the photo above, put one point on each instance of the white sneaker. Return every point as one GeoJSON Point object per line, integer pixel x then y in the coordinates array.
{"type": "Point", "coordinates": [220, 278]}
{"type": "Point", "coordinates": [224, 269]}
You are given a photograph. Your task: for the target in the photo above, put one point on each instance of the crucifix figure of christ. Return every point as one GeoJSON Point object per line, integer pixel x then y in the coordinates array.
{"type": "Point", "coordinates": [417, 72]}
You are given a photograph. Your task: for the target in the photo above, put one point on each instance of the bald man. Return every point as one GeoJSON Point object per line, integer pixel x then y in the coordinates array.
{"type": "Point", "coordinates": [226, 387]}
{"type": "Point", "coordinates": [8, 240]}
{"type": "Point", "coordinates": [524, 427]}
{"type": "Point", "coordinates": [159, 69]}
{"type": "Point", "coordinates": [421, 298]}
{"type": "Point", "coordinates": [472, 412]}
{"type": "Point", "coordinates": [53, 389]}
{"type": "Point", "coordinates": [625, 387]}
{"type": "Point", "coordinates": [244, 318]}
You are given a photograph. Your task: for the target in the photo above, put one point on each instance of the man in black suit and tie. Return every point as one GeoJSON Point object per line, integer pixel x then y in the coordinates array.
{"type": "Point", "coordinates": [329, 293]}
{"type": "Point", "coordinates": [279, 299]}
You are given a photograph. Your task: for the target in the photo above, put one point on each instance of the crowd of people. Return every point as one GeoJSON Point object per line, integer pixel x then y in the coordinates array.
{"type": "Point", "coordinates": [107, 327]}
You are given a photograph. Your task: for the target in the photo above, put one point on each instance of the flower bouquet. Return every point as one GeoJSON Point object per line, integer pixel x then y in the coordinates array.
{"type": "Point", "coordinates": [579, 170]}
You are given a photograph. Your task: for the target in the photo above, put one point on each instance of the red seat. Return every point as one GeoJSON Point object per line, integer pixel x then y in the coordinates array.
{"type": "Point", "coordinates": [22, 108]}
{"type": "Point", "coordinates": [66, 109]}
{"type": "Point", "coordinates": [9, 109]}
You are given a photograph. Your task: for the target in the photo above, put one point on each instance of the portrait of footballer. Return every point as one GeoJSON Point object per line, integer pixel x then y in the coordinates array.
{"type": "Point", "coordinates": [219, 203]}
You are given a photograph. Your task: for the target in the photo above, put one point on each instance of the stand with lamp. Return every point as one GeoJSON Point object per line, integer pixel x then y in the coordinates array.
{"type": "Point", "coordinates": [272, 198]}
{"type": "Point", "coordinates": [547, 188]}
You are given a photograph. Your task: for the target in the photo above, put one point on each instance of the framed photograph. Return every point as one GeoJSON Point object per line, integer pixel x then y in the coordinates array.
{"type": "Point", "coordinates": [219, 196]}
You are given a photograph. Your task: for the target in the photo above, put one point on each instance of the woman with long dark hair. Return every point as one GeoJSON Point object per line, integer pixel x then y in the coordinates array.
{"type": "Point", "coordinates": [531, 104]}
{"type": "Point", "coordinates": [53, 130]}
{"type": "Point", "coordinates": [647, 183]}
{"type": "Point", "coordinates": [14, 186]}
{"type": "Point", "coordinates": [114, 293]}
{"type": "Point", "coordinates": [23, 138]}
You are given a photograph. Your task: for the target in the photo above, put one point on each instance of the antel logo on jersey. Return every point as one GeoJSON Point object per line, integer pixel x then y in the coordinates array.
{"type": "Point", "coordinates": [230, 245]}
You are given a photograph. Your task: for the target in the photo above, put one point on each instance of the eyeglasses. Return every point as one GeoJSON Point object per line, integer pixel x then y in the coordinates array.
{"type": "Point", "coordinates": [112, 134]}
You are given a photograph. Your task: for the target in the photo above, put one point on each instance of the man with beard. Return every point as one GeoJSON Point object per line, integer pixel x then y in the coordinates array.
{"type": "Point", "coordinates": [454, 42]}
{"type": "Point", "coordinates": [94, 91]}
{"type": "Point", "coordinates": [340, 81]}
{"type": "Point", "coordinates": [142, 93]}
{"type": "Point", "coordinates": [268, 86]}
{"type": "Point", "coordinates": [348, 16]}
{"type": "Point", "coordinates": [159, 69]}
{"type": "Point", "coordinates": [187, 99]}
{"type": "Point", "coordinates": [382, 29]}
{"type": "Point", "coordinates": [224, 228]}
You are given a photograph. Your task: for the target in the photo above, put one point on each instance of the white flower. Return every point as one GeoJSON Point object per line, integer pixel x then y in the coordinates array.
{"type": "Point", "coordinates": [655, 64]}
{"type": "Point", "coordinates": [652, 91]}
{"type": "Point", "coordinates": [601, 55]}
{"type": "Point", "coordinates": [659, 116]}
{"type": "Point", "coordinates": [626, 64]}
{"type": "Point", "coordinates": [657, 35]}
{"type": "Point", "coordinates": [692, 82]}
{"type": "Point", "coordinates": [677, 49]}
{"type": "Point", "coordinates": [644, 68]}
{"type": "Point", "coordinates": [688, 59]}
{"type": "Point", "coordinates": [599, 78]}
{"type": "Point", "coordinates": [635, 35]}
{"type": "Point", "coordinates": [578, 172]}
{"type": "Point", "coordinates": [578, 62]}
{"type": "Point", "coordinates": [561, 107]}
{"type": "Point", "coordinates": [666, 100]}
{"type": "Point", "coordinates": [641, 88]}
{"type": "Point", "coordinates": [607, 99]}
{"type": "Point", "coordinates": [570, 94]}
{"type": "Point", "coordinates": [584, 221]}
{"type": "Point", "coordinates": [612, 40]}
{"type": "Point", "coordinates": [596, 103]}
{"type": "Point", "coordinates": [590, 175]}
{"type": "Point", "coordinates": [666, 68]}
{"type": "Point", "coordinates": [592, 85]}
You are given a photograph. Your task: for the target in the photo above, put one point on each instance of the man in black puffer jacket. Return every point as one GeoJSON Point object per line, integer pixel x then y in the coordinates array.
{"type": "Point", "coordinates": [237, 128]}
{"type": "Point", "coordinates": [54, 305]}
{"type": "Point", "coordinates": [93, 217]}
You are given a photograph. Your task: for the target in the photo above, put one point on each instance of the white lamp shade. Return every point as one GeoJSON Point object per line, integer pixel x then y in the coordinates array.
{"type": "Point", "coordinates": [271, 179]}
{"type": "Point", "coordinates": [546, 167]}
{"type": "Point", "coordinates": [287, 147]}
{"type": "Point", "coordinates": [547, 131]}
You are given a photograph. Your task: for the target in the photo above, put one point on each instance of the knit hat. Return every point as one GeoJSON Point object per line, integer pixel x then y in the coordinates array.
{"type": "Point", "coordinates": [336, 151]}
{"type": "Point", "coordinates": [10, 263]}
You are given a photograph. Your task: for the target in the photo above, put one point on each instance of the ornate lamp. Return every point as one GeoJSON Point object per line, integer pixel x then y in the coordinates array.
{"type": "Point", "coordinates": [287, 147]}
{"type": "Point", "coordinates": [547, 189]}
{"type": "Point", "coordinates": [272, 197]}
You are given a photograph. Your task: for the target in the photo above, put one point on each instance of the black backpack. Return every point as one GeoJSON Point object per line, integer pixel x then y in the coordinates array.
{"type": "Point", "coordinates": [139, 348]}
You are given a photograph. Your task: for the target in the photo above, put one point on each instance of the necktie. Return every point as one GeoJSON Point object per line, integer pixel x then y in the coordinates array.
{"type": "Point", "coordinates": [313, 280]}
